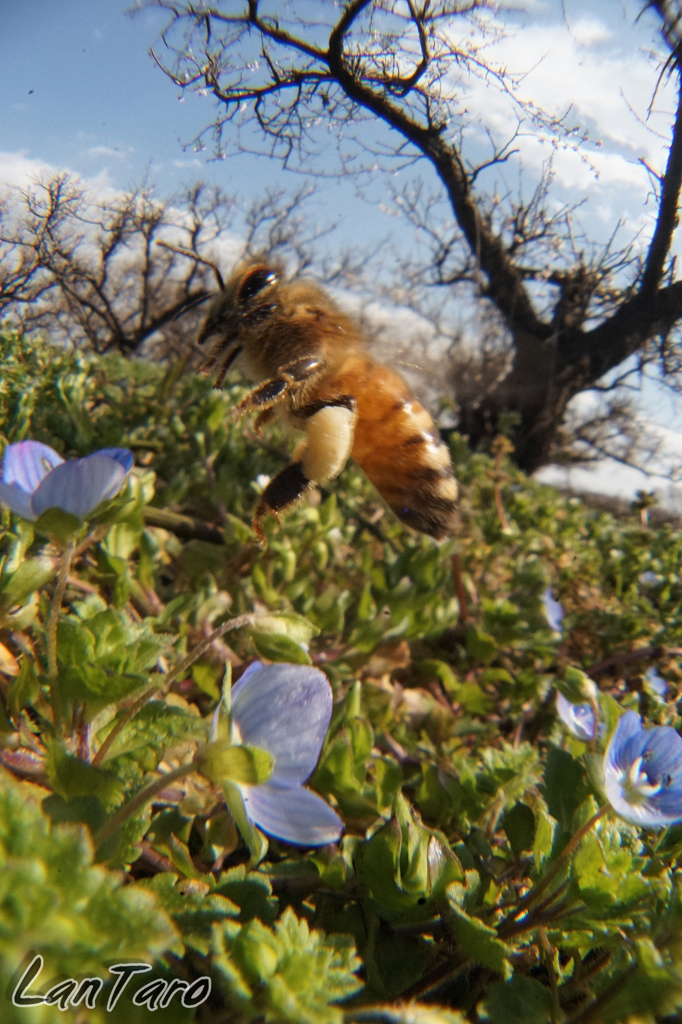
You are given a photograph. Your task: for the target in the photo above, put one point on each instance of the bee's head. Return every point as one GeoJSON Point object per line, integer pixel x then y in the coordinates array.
{"type": "Point", "coordinates": [248, 299]}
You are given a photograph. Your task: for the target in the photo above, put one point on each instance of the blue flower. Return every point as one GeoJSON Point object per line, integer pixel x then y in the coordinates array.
{"type": "Point", "coordinates": [656, 683]}
{"type": "Point", "coordinates": [35, 478]}
{"type": "Point", "coordinates": [643, 773]}
{"type": "Point", "coordinates": [578, 718]}
{"type": "Point", "coordinates": [285, 710]}
{"type": "Point", "coordinates": [554, 613]}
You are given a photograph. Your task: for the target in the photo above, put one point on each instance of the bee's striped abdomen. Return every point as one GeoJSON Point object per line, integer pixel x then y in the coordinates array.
{"type": "Point", "coordinates": [397, 445]}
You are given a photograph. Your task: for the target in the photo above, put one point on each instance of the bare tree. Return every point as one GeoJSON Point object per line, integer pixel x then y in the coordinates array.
{"type": "Point", "coordinates": [390, 78]}
{"type": "Point", "coordinates": [119, 271]}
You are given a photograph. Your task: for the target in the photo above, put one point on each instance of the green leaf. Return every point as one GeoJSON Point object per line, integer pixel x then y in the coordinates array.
{"type": "Point", "coordinates": [87, 810]}
{"type": "Point", "coordinates": [206, 676]}
{"type": "Point", "coordinates": [252, 837]}
{"type": "Point", "coordinates": [519, 825]}
{"type": "Point", "coordinates": [31, 575]}
{"type": "Point", "coordinates": [193, 906]}
{"type": "Point", "coordinates": [296, 627]}
{"type": "Point", "coordinates": [545, 828]}
{"type": "Point", "coordinates": [480, 645]}
{"type": "Point", "coordinates": [479, 941]}
{"type": "Point", "coordinates": [179, 855]}
{"type": "Point", "coordinates": [277, 647]}
{"type": "Point", "coordinates": [289, 974]}
{"type": "Point", "coordinates": [71, 777]}
{"type": "Point", "coordinates": [249, 765]}
{"type": "Point", "coordinates": [442, 671]}
{"type": "Point", "coordinates": [55, 901]}
{"type": "Point", "coordinates": [252, 893]}
{"type": "Point", "coordinates": [388, 775]}
{"type": "Point", "coordinates": [518, 1001]}
{"type": "Point", "coordinates": [59, 524]}
{"type": "Point", "coordinates": [412, 1014]}
{"type": "Point", "coordinates": [24, 688]}
{"type": "Point", "coordinates": [473, 699]}
{"type": "Point", "coordinates": [565, 785]}
{"type": "Point", "coordinates": [577, 686]}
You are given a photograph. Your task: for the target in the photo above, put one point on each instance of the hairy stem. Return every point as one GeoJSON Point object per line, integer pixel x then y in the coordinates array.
{"type": "Point", "coordinates": [138, 801]}
{"type": "Point", "coordinates": [180, 668]}
{"type": "Point", "coordinates": [51, 636]}
{"type": "Point", "coordinates": [556, 867]}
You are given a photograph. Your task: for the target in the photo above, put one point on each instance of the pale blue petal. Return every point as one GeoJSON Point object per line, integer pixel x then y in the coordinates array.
{"type": "Point", "coordinates": [122, 455]}
{"type": "Point", "coordinates": [656, 682]}
{"type": "Point", "coordinates": [554, 613]}
{"type": "Point", "coordinates": [661, 751]}
{"type": "Point", "coordinates": [78, 487]}
{"type": "Point", "coordinates": [17, 500]}
{"type": "Point", "coordinates": [646, 815]}
{"type": "Point", "coordinates": [28, 463]}
{"type": "Point", "coordinates": [254, 667]}
{"type": "Point", "coordinates": [578, 718]}
{"type": "Point", "coordinates": [629, 728]}
{"type": "Point", "coordinates": [285, 709]}
{"type": "Point", "coordinates": [294, 814]}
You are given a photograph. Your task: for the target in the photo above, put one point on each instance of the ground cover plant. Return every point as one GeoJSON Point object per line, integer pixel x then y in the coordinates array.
{"type": "Point", "coordinates": [501, 747]}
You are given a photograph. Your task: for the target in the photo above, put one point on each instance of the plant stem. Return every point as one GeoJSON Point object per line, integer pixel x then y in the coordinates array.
{"type": "Point", "coordinates": [180, 668]}
{"type": "Point", "coordinates": [51, 636]}
{"type": "Point", "coordinates": [593, 1012]}
{"type": "Point", "coordinates": [549, 964]}
{"type": "Point", "coordinates": [123, 721]}
{"type": "Point", "coordinates": [556, 867]}
{"type": "Point", "coordinates": [499, 507]}
{"type": "Point", "coordinates": [138, 801]}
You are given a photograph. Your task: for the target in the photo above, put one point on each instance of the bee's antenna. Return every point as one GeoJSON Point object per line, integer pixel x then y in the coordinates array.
{"type": "Point", "coordinates": [197, 259]}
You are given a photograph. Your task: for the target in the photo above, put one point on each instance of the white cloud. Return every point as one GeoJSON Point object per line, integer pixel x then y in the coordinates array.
{"type": "Point", "coordinates": [118, 154]}
{"type": "Point", "coordinates": [18, 170]}
{"type": "Point", "coordinates": [588, 32]}
{"type": "Point", "coordinates": [611, 477]}
{"type": "Point", "coordinates": [607, 84]}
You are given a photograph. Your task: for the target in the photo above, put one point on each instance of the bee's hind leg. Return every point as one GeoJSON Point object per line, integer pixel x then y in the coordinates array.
{"type": "Point", "coordinates": [286, 488]}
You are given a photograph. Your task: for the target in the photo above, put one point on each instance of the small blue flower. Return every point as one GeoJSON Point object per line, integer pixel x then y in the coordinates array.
{"type": "Point", "coordinates": [656, 683]}
{"type": "Point", "coordinates": [285, 710]}
{"type": "Point", "coordinates": [643, 773]}
{"type": "Point", "coordinates": [578, 718]}
{"type": "Point", "coordinates": [554, 613]}
{"type": "Point", "coordinates": [35, 478]}
{"type": "Point", "coordinates": [649, 578]}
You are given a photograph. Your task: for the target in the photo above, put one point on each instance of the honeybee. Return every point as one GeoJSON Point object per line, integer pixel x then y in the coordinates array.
{"type": "Point", "coordinates": [309, 361]}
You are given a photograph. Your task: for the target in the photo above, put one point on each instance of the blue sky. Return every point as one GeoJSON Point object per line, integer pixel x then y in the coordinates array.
{"type": "Point", "coordinates": [80, 92]}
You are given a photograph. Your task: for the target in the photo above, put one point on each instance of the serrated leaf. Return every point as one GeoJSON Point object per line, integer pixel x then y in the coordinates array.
{"type": "Point", "coordinates": [295, 973]}
{"type": "Point", "coordinates": [480, 942]}
{"type": "Point", "coordinates": [71, 777]}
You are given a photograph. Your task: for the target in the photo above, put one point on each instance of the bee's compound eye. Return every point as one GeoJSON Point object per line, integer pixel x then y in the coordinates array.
{"type": "Point", "coordinates": [255, 282]}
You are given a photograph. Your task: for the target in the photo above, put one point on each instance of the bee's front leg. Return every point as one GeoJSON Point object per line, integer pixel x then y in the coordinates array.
{"type": "Point", "coordinates": [290, 377]}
